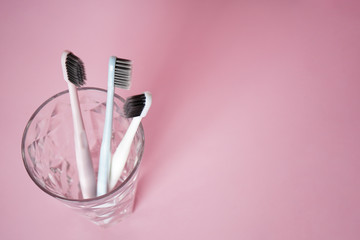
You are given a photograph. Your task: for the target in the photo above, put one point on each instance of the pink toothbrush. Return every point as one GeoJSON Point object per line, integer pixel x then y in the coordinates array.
{"type": "Point", "coordinates": [74, 75]}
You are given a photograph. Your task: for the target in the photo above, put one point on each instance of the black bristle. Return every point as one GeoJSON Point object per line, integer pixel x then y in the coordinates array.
{"type": "Point", "coordinates": [134, 105]}
{"type": "Point", "coordinates": [122, 73]}
{"type": "Point", "coordinates": [75, 70]}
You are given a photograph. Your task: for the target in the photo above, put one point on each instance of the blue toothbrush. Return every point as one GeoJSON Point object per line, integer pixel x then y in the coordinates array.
{"type": "Point", "coordinates": [118, 76]}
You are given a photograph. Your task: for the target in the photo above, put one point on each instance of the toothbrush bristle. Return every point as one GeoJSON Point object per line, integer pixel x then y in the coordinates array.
{"type": "Point", "coordinates": [134, 105]}
{"type": "Point", "coordinates": [122, 73]}
{"type": "Point", "coordinates": [75, 70]}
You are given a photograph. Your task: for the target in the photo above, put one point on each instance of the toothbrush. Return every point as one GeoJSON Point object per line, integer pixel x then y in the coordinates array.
{"type": "Point", "coordinates": [74, 75]}
{"type": "Point", "coordinates": [135, 107]}
{"type": "Point", "coordinates": [118, 76]}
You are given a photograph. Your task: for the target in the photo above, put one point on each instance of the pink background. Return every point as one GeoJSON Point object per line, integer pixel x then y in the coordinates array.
{"type": "Point", "coordinates": [254, 130]}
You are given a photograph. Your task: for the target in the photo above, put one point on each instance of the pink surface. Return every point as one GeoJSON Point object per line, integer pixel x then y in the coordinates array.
{"type": "Point", "coordinates": [254, 130]}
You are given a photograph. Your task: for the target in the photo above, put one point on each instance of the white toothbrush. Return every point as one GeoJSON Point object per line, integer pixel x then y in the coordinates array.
{"type": "Point", "coordinates": [118, 76]}
{"type": "Point", "coordinates": [135, 107]}
{"type": "Point", "coordinates": [74, 75]}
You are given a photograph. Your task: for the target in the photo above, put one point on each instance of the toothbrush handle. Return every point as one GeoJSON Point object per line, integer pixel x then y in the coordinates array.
{"type": "Point", "coordinates": [105, 150]}
{"type": "Point", "coordinates": [122, 152]}
{"type": "Point", "coordinates": [83, 157]}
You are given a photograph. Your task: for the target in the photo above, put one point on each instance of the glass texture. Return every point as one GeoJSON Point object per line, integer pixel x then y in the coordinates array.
{"type": "Point", "coordinates": [49, 155]}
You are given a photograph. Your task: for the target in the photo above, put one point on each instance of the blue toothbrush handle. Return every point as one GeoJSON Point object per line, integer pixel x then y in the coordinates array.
{"type": "Point", "coordinates": [105, 150]}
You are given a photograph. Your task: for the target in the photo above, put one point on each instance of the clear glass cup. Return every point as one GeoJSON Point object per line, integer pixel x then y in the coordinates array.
{"type": "Point", "coordinates": [49, 155]}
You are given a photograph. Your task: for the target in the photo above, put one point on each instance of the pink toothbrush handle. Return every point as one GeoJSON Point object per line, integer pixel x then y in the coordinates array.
{"type": "Point", "coordinates": [83, 157]}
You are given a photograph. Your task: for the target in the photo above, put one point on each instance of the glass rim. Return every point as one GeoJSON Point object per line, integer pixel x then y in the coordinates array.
{"type": "Point", "coordinates": [108, 194]}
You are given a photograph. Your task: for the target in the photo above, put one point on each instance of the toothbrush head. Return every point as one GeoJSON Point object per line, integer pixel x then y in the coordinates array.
{"type": "Point", "coordinates": [120, 71]}
{"type": "Point", "coordinates": [73, 69]}
{"type": "Point", "coordinates": [137, 105]}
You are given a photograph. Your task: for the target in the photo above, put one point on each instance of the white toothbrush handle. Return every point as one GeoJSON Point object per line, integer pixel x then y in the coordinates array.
{"type": "Point", "coordinates": [122, 152]}
{"type": "Point", "coordinates": [83, 157]}
{"type": "Point", "coordinates": [105, 150]}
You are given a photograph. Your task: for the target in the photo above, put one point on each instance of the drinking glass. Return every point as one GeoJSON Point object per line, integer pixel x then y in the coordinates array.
{"type": "Point", "coordinates": [49, 155]}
